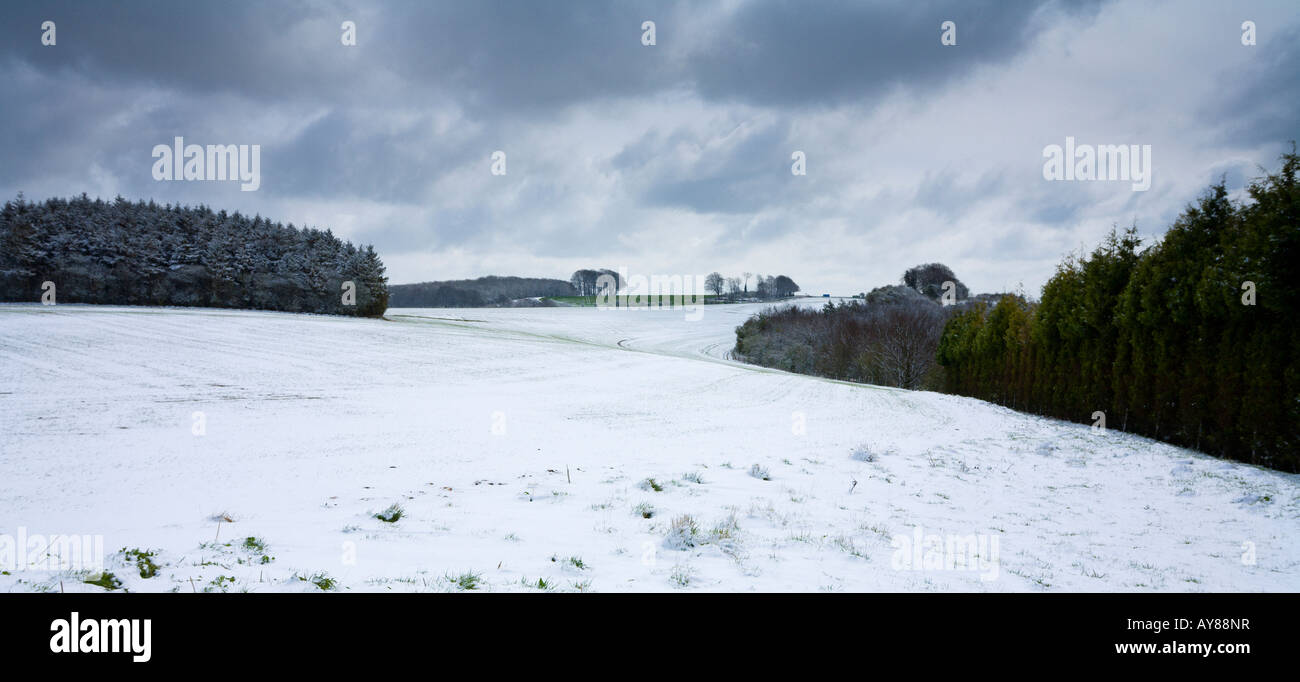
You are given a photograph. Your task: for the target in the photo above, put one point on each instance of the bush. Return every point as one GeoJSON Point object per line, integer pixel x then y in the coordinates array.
{"type": "Point", "coordinates": [890, 343]}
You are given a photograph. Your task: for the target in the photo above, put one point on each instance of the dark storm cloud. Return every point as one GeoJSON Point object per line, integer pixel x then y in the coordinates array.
{"type": "Point", "coordinates": [796, 54]}
{"type": "Point", "coordinates": [521, 58]}
{"type": "Point", "coordinates": [517, 57]}
{"type": "Point", "coordinates": [499, 61]}
{"type": "Point", "coordinates": [344, 153]}
{"type": "Point", "coordinates": [239, 46]}
{"type": "Point", "coordinates": [511, 57]}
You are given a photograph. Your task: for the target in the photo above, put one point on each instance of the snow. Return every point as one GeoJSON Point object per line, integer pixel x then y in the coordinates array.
{"type": "Point", "coordinates": [520, 443]}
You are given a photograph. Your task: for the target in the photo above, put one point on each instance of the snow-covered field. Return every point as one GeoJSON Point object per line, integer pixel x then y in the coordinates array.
{"type": "Point", "coordinates": [521, 445]}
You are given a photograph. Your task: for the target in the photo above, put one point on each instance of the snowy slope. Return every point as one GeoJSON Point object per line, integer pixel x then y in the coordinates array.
{"type": "Point", "coordinates": [519, 441]}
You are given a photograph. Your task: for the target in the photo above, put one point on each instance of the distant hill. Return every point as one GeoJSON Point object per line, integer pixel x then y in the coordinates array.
{"type": "Point", "coordinates": [475, 293]}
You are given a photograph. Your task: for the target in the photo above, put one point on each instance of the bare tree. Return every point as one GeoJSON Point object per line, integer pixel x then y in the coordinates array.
{"type": "Point", "coordinates": [885, 344]}
{"type": "Point", "coordinates": [733, 286]}
{"type": "Point", "coordinates": [714, 283]}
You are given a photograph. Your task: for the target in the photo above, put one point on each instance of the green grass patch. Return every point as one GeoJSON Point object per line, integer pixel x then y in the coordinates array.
{"type": "Point", "coordinates": [143, 561]}
{"type": "Point", "coordinates": [105, 580]}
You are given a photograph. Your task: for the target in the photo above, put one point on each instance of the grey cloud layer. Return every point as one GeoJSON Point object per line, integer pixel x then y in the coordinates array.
{"type": "Point", "coordinates": [609, 140]}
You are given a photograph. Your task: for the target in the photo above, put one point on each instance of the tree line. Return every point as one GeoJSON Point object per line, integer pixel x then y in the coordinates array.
{"type": "Point", "coordinates": [737, 288]}
{"type": "Point", "coordinates": [1193, 341]}
{"type": "Point", "coordinates": [141, 253]}
{"type": "Point", "coordinates": [483, 292]}
{"type": "Point", "coordinates": [494, 291]}
{"type": "Point", "coordinates": [586, 282]}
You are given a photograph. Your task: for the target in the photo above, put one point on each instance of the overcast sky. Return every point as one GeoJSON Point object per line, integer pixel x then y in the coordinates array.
{"type": "Point", "coordinates": [666, 159]}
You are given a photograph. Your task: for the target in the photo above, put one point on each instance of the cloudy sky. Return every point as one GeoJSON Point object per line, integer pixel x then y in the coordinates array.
{"type": "Point", "coordinates": [666, 159]}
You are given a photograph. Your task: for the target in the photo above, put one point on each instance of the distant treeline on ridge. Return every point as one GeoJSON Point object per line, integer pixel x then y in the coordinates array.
{"type": "Point", "coordinates": [476, 293]}
{"type": "Point", "coordinates": [140, 253]}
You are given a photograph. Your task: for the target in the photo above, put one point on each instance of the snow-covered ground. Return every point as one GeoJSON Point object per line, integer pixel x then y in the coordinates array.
{"type": "Point", "coordinates": [521, 443]}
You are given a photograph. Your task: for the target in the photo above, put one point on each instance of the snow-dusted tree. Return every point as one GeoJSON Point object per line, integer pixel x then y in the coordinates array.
{"type": "Point", "coordinates": [140, 253]}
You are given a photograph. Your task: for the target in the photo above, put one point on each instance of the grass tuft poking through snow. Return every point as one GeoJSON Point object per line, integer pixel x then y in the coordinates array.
{"type": "Point", "coordinates": [105, 580]}
{"type": "Point", "coordinates": [574, 562]}
{"type": "Point", "coordinates": [391, 514]}
{"type": "Point", "coordinates": [143, 561]}
{"type": "Point", "coordinates": [682, 576]}
{"type": "Point", "coordinates": [862, 454]}
{"type": "Point", "coordinates": [539, 584]}
{"type": "Point", "coordinates": [467, 581]}
{"type": "Point", "coordinates": [650, 484]}
{"type": "Point", "coordinates": [683, 534]}
{"type": "Point", "coordinates": [257, 547]}
{"type": "Point", "coordinates": [322, 580]}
